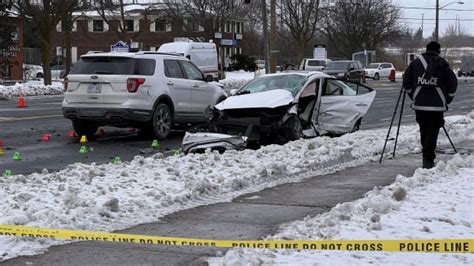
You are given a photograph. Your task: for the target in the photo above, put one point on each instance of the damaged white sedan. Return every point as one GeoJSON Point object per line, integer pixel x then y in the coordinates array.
{"type": "Point", "coordinates": [277, 108]}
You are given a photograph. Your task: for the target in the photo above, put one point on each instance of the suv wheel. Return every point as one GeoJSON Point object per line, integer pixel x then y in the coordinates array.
{"type": "Point", "coordinates": [84, 128]}
{"type": "Point", "coordinates": [376, 76]}
{"type": "Point", "coordinates": [162, 121]}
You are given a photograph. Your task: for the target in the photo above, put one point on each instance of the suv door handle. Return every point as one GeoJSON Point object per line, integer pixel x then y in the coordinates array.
{"type": "Point", "coordinates": [361, 104]}
{"type": "Point", "coordinates": [170, 83]}
{"type": "Point", "coordinates": [196, 85]}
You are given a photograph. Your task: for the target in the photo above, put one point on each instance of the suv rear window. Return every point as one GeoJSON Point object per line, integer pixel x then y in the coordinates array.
{"type": "Point", "coordinates": [112, 65]}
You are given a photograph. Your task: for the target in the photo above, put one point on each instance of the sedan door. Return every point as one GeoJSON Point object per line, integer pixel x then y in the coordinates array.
{"type": "Point", "coordinates": [201, 92]}
{"type": "Point", "coordinates": [342, 106]}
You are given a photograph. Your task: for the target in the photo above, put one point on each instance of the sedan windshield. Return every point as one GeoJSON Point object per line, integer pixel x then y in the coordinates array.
{"type": "Point", "coordinates": [292, 83]}
{"type": "Point", "coordinates": [374, 66]}
{"type": "Point", "coordinates": [337, 66]}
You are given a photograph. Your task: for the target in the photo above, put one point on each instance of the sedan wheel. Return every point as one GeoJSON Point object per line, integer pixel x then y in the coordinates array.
{"type": "Point", "coordinates": [162, 121]}
{"type": "Point", "coordinates": [292, 129]}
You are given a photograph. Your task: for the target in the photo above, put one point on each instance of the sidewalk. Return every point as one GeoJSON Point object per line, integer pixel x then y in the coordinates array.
{"type": "Point", "coordinates": [251, 216]}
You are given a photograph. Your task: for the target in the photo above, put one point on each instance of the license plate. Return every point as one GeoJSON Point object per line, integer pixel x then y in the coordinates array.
{"type": "Point", "coordinates": [94, 88]}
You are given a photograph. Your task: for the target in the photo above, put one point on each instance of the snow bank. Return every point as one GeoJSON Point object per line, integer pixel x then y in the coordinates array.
{"type": "Point", "coordinates": [31, 88]}
{"type": "Point", "coordinates": [236, 79]}
{"type": "Point", "coordinates": [435, 203]}
{"type": "Point", "coordinates": [110, 197]}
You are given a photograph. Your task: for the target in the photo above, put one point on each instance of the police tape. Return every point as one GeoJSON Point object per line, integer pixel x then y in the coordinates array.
{"type": "Point", "coordinates": [425, 245]}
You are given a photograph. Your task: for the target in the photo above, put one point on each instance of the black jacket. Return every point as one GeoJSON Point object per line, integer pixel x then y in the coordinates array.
{"type": "Point", "coordinates": [431, 88]}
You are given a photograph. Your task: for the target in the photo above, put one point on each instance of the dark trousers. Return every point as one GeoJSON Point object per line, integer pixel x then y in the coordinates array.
{"type": "Point", "coordinates": [430, 123]}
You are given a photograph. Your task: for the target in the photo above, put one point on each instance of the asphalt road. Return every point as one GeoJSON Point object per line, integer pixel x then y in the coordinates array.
{"type": "Point", "coordinates": [21, 129]}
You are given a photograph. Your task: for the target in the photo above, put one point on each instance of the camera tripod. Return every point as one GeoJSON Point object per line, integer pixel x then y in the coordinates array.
{"type": "Point", "coordinates": [401, 96]}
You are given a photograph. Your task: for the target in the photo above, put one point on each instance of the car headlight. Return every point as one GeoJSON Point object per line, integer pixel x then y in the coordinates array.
{"type": "Point", "coordinates": [341, 74]}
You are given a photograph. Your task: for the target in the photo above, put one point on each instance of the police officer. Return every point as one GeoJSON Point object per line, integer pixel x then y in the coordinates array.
{"type": "Point", "coordinates": [431, 85]}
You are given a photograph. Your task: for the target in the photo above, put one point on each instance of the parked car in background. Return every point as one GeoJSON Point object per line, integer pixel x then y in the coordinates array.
{"type": "Point", "coordinates": [377, 71]}
{"type": "Point", "coordinates": [467, 67]}
{"type": "Point", "coordinates": [310, 64]}
{"type": "Point", "coordinates": [58, 71]}
{"type": "Point", "coordinates": [36, 71]}
{"type": "Point", "coordinates": [148, 90]}
{"type": "Point", "coordinates": [278, 108]}
{"type": "Point", "coordinates": [260, 63]}
{"type": "Point", "coordinates": [346, 70]}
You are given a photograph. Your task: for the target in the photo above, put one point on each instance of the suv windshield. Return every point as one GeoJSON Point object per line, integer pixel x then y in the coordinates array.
{"type": "Point", "coordinates": [291, 83]}
{"type": "Point", "coordinates": [338, 66]}
{"type": "Point", "coordinates": [113, 65]}
{"type": "Point", "coordinates": [373, 66]}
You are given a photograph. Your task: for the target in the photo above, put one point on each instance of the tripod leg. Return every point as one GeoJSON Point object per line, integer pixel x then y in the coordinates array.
{"type": "Point", "coordinates": [447, 135]}
{"type": "Point", "coordinates": [399, 123]}
{"type": "Point", "coordinates": [391, 123]}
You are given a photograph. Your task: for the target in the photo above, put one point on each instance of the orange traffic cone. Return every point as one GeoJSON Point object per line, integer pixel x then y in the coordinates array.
{"type": "Point", "coordinates": [392, 76]}
{"type": "Point", "coordinates": [46, 137]}
{"type": "Point", "coordinates": [21, 102]}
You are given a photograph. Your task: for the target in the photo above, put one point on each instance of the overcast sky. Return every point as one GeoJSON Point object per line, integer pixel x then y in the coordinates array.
{"type": "Point", "coordinates": [415, 15]}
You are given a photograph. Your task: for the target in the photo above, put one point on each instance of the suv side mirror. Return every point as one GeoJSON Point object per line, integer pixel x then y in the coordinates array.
{"type": "Point", "coordinates": [233, 91]}
{"type": "Point", "coordinates": [209, 78]}
{"type": "Point", "coordinates": [351, 68]}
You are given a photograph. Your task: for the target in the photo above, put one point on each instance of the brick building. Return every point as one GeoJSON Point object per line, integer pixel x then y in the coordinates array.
{"type": "Point", "coordinates": [12, 58]}
{"type": "Point", "coordinates": [144, 32]}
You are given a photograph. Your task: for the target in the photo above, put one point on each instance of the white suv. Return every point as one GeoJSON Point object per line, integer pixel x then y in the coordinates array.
{"type": "Point", "coordinates": [378, 70]}
{"type": "Point", "coordinates": [147, 90]}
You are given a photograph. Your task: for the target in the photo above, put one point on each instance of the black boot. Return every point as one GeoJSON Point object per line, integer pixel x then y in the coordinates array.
{"type": "Point", "coordinates": [428, 163]}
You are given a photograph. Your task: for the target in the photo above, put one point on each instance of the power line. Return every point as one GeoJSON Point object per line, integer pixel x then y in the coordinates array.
{"type": "Point", "coordinates": [434, 8]}
{"type": "Point", "coordinates": [467, 19]}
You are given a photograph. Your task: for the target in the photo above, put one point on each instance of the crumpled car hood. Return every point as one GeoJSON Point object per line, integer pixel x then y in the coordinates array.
{"type": "Point", "coordinates": [266, 99]}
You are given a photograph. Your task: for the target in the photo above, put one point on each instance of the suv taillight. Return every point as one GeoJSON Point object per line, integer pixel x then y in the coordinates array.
{"type": "Point", "coordinates": [134, 83]}
{"type": "Point", "coordinates": [65, 84]}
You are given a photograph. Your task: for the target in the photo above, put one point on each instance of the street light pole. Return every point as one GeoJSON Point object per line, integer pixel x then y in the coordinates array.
{"type": "Point", "coordinates": [437, 16]}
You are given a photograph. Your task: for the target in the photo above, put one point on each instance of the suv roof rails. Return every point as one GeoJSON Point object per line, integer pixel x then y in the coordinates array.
{"type": "Point", "coordinates": [158, 53]}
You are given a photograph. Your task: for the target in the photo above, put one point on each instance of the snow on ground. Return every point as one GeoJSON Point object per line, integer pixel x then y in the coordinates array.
{"type": "Point", "coordinates": [432, 204]}
{"type": "Point", "coordinates": [105, 197]}
{"type": "Point", "coordinates": [236, 79]}
{"type": "Point", "coordinates": [31, 88]}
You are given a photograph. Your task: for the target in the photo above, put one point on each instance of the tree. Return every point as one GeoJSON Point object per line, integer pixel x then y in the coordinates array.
{"type": "Point", "coordinates": [206, 16]}
{"type": "Point", "coordinates": [43, 18]}
{"type": "Point", "coordinates": [70, 7]}
{"type": "Point", "coordinates": [7, 31]}
{"type": "Point", "coordinates": [115, 14]}
{"type": "Point", "coordinates": [351, 27]}
{"type": "Point", "coordinates": [300, 18]}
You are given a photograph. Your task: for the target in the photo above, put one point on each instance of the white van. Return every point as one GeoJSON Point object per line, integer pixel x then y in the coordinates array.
{"type": "Point", "coordinates": [202, 54]}
{"type": "Point", "coordinates": [310, 64]}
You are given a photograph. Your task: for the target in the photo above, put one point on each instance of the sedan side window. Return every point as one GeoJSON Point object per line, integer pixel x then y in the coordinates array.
{"type": "Point", "coordinates": [191, 71]}
{"type": "Point", "coordinates": [334, 87]}
{"type": "Point", "coordinates": [173, 70]}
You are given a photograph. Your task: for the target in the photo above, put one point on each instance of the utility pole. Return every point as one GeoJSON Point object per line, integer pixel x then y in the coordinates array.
{"type": "Point", "coordinates": [273, 37]}
{"type": "Point", "coordinates": [422, 21]}
{"type": "Point", "coordinates": [437, 21]}
{"type": "Point", "coordinates": [265, 36]}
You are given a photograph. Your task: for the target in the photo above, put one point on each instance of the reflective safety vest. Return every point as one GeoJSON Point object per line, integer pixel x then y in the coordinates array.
{"type": "Point", "coordinates": [428, 94]}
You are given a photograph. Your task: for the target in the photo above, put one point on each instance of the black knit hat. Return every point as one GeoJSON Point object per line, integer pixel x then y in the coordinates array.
{"type": "Point", "coordinates": [433, 47]}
